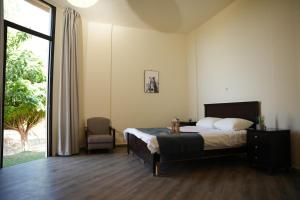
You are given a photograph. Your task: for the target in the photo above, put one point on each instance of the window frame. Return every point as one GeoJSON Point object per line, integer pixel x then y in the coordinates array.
{"type": "Point", "coordinates": [51, 39]}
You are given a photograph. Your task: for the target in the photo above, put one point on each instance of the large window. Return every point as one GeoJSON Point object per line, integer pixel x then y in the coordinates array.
{"type": "Point", "coordinates": [27, 101]}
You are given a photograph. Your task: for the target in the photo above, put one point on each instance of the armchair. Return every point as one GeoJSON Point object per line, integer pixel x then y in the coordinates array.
{"type": "Point", "coordinates": [99, 134]}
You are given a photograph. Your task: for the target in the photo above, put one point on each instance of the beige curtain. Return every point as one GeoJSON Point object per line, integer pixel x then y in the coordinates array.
{"type": "Point", "coordinates": [68, 119]}
{"type": "Point", "coordinates": [1, 60]}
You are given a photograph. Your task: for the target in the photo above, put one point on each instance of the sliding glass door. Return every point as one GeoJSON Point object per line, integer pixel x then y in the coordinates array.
{"type": "Point", "coordinates": [27, 98]}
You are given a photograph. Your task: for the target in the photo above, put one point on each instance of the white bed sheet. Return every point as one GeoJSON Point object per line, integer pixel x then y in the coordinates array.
{"type": "Point", "coordinates": [213, 138]}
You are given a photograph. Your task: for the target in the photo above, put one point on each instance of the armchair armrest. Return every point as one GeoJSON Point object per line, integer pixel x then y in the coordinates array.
{"type": "Point", "coordinates": [112, 131]}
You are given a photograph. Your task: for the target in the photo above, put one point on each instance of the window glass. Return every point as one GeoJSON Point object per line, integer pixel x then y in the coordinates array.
{"type": "Point", "coordinates": [32, 14]}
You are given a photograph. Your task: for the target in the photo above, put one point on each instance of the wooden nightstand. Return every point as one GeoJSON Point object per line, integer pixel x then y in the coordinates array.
{"type": "Point", "coordinates": [188, 123]}
{"type": "Point", "coordinates": [269, 148]}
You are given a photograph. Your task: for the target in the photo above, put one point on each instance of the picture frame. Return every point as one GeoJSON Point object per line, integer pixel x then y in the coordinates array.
{"type": "Point", "coordinates": [151, 81]}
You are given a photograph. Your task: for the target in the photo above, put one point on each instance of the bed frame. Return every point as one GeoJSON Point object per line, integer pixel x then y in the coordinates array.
{"type": "Point", "coordinates": [245, 110]}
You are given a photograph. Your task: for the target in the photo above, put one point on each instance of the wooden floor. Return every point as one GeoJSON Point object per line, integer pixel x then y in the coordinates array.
{"type": "Point", "coordinates": [119, 176]}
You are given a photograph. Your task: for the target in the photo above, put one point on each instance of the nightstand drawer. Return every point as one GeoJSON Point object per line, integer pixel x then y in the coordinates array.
{"type": "Point", "coordinates": [258, 159]}
{"type": "Point", "coordinates": [257, 148]}
{"type": "Point", "coordinates": [257, 152]}
{"type": "Point", "coordinates": [256, 141]}
{"type": "Point", "coordinates": [254, 136]}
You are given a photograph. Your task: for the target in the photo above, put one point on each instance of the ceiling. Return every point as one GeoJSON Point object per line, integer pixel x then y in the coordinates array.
{"type": "Point", "coordinates": [172, 16]}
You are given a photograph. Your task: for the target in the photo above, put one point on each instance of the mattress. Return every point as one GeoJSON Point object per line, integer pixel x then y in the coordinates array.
{"type": "Point", "coordinates": [213, 138]}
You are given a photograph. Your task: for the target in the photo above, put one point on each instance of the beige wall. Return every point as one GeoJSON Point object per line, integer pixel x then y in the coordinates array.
{"type": "Point", "coordinates": [298, 41]}
{"type": "Point", "coordinates": [115, 58]}
{"type": "Point", "coordinates": [192, 71]}
{"type": "Point", "coordinates": [248, 52]}
{"type": "Point", "coordinates": [296, 138]}
{"type": "Point", "coordinates": [97, 58]}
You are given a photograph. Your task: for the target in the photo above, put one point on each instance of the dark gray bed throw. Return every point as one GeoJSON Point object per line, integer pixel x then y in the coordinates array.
{"type": "Point", "coordinates": [179, 146]}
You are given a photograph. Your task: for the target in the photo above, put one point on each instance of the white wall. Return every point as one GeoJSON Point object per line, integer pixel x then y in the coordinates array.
{"type": "Point", "coordinates": [298, 41]}
{"type": "Point", "coordinates": [296, 138]}
{"type": "Point", "coordinates": [114, 62]}
{"type": "Point", "coordinates": [248, 52]}
{"type": "Point", "coordinates": [192, 71]}
{"type": "Point", "coordinates": [97, 69]}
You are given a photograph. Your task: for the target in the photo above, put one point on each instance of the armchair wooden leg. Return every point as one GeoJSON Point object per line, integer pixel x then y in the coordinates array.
{"type": "Point", "coordinates": [114, 138]}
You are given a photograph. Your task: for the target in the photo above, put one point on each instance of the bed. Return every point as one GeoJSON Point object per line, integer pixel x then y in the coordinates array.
{"type": "Point", "coordinates": [217, 143]}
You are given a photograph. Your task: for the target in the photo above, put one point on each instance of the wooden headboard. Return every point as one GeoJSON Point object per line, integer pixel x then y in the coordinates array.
{"type": "Point", "coordinates": [246, 110]}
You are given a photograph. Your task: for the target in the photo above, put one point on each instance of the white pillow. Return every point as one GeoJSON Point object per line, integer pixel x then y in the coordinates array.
{"type": "Point", "coordinates": [207, 122]}
{"type": "Point", "coordinates": [233, 124]}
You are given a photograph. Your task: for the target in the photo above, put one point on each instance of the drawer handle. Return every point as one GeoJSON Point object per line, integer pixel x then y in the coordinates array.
{"type": "Point", "coordinates": [255, 136]}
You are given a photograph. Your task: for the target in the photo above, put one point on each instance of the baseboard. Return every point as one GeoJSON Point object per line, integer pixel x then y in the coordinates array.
{"type": "Point", "coordinates": [82, 149]}
{"type": "Point", "coordinates": [121, 145]}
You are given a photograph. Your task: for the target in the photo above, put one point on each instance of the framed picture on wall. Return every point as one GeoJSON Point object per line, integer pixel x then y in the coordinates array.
{"type": "Point", "coordinates": [151, 84]}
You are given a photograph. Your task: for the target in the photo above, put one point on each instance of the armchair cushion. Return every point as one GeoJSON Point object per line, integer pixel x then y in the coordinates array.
{"type": "Point", "coordinates": [92, 139]}
{"type": "Point", "coordinates": [100, 146]}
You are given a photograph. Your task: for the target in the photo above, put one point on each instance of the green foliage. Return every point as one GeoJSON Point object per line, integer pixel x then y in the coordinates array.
{"type": "Point", "coordinates": [261, 120]}
{"type": "Point", "coordinates": [25, 90]}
